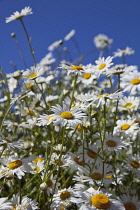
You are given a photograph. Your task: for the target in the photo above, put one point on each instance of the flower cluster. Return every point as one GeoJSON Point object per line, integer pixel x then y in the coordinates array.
{"type": "Point", "coordinates": [70, 131]}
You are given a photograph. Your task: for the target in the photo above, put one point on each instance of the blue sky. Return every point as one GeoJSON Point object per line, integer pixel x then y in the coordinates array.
{"type": "Point", "coordinates": [53, 19]}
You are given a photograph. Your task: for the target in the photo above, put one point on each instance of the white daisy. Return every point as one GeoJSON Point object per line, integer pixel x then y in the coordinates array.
{"type": "Point", "coordinates": [33, 73]}
{"type": "Point", "coordinates": [130, 202]}
{"type": "Point", "coordinates": [46, 119]}
{"type": "Point", "coordinates": [95, 200]}
{"type": "Point", "coordinates": [63, 197]}
{"type": "Point", "coordinates": [16, 166]}
{"type": "Point", "coordinates": [5, 204]}
{"type": "Point", "coordinates": [25, 203]}
{"type": "Point", "coordinates": [126, 126]}
{"type": "Point", "coordinates": [64, 115]}
{"type": "Point", "coordinates": [12, 84]}
{"type": "Point", "coordinates": [101, 41]}
{"type": "Point", "coordinates": [9, 143]}
{"type": "Point", "coordinates": [101, 99]}
{"type": "Point", "coordinates": [72, 69]}
{"type": "Point", "coordinates": [127, 51]}
{"type": "Point", "coordinates": [129, 103]}
{"type": "Point", "coordinates": [95, 176]}
{"type": "Point", "coordinates": [19, 15]}
{"type": "Point", "coordinates": [102, 65]}
{"type": "Point", "coordinates": [133, 164]}
{"type": "Point", "coordinates": [49, 183]}
{"type": "Point", "coordinates": [131, 82]}
{"type": "Point", "coordinates": [112, 143]}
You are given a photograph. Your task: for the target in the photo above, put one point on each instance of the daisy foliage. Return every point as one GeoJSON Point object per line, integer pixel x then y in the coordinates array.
{"type": "Point", "coordinates": [70, 131]}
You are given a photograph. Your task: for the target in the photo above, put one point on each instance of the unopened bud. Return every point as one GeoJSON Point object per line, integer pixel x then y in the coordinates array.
{"type": "Point", "coordinates": [43, 186]}
{"type": "Point", "coordinates": [13, 35]}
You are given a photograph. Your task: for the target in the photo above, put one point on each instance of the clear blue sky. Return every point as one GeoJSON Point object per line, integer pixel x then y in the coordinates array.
{"type": "Point", "coordinates": [53, 19]}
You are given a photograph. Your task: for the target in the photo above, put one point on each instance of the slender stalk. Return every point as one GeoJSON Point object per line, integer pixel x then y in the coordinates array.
{"type": "Point", "coordinates": [74, 86]}
{"type": "Point", "coordinates": [29, 41]}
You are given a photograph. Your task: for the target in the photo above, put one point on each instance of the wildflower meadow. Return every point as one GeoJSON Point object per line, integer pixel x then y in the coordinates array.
{"type": "Point", "coordinates": [70, 132]}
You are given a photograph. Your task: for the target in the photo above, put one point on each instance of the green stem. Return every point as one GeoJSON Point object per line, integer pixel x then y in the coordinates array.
{"type": "Point", "coordinates": [74, 86]}
{"type": "Point", "coordinates": [29, 41]}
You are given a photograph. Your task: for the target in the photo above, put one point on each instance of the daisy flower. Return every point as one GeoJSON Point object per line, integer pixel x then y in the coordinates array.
{"type": "Point", "coordinates": [127, 127]}
{"type": "Point", "coordinates": [5, 204]}
{"type": "Point", "coordinates": [129, 103]}
{"type": "Point", "coordinates": [69, 35]}
{"type": "Point", "coordinates": [101, 99]}
{"type": "Point", "coordinates": [45, 119]}
{"type": "Point", "coordinates": [37, 167]}
{"type": "Point", "coordinates": [96, 175]}
{"type": "Point", "coordinates": [133, 164]}
{"type": "Point", "coordinates": [12, 84]}
{"type": "Point", "coordinates": [96, 200]}
{"type": "Point", "coordinates": [25, 203]}
{"type": "Point", "coordinates": [19, 15]}
{"type": "Point", "coordinates": [33, 73]}
{"type": "Point", "coordinates": [63, 197]}
{"type": "Point", "coordinates": [91, 153]}
{"type": "Point", "coordinates": [10, 144]}
{"type": "Point", "coordinates": [72, 69]}
{"type": "Point", "coordinates": [74, 162]}
{"type": "Point", "coordinates": [49, 184]}
{"type": "Point", "coordinates": [87, 78]}
{"type": "Point", "coordinates": [16, 166]}
{"type": "Point", "coordinates": [131, 82]}
{"type": "Point", "coordinates": [102, 65]}
{"type": "Point", "coordinates": [101, 41]}
{"type": "Point", "coordinates": [130, 202]}
{"type": "Point", "coordinates": [64, 115]}
{"type": "Point", "coordinates": [127, 51]}
{"type": "Point", "coordinates": [112, 143]}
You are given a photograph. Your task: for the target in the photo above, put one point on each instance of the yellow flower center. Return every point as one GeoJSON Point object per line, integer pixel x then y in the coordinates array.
{"type": "Point", "coordinates": [135, 81]}
{"type": "Point", "coordinates": [67, 115]}
{"type": "Point", "coordinates": [135, 164]}
{"type": "Point", "coordinates": [130, 206]}
{"type": "Point", "coordinates": [77, 68]}
{"type": "Point", "coordinates": [79, 128]}
{"type": "Point", "coordinates": [15, 164]}
{"type": "Point", "coordinates": [2, 172]}
{"type": "Point", "coordinates": [31, 76]}
{"type": "Point", "coordinates": [100, 201]}
{"type": "Point", "coordinates": [87, 75]}
{"type": "Point", "coordinates": [100, 96]}
{"type": "Point", "coordinates": [62, 208]}
{"type": "Point", "coordinates": [81, 163]}
{"type": "Point", "coordinates": [28, 86]}
{"type": "Point", "coordinates": [125, 127]}
{"type": "Point", "coordinates": [7, 140]}
{"type": "Point", "coordinates": [64, 195]}
{"type": "Point", "coordinates": [49, 118]}
{"type": "Point", "coordinates": [30, 112]}
{"type": "Point", "coordinates": [91, 154]}
{"type": "Point", "coordinates": [127, 105]}
{"type": "Point", "coordinates": [37, 169]}
{"type": "Point", "coordinates": [49, 183]}
{"type": "Point", "coordinates": [111, 143]}
{"type": "Point", "coordinates": [96, 176]}
{"type": "Point", "coordinates": [28, 140]}
{"type": "Point", "coordinates": [59, 162]}
{"type": "Point", "coordinates": [37, 159]}
{"type": "Point", "coordinates": [109, 177]}
{"type": "Point", "coordinates": [103, 65]}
